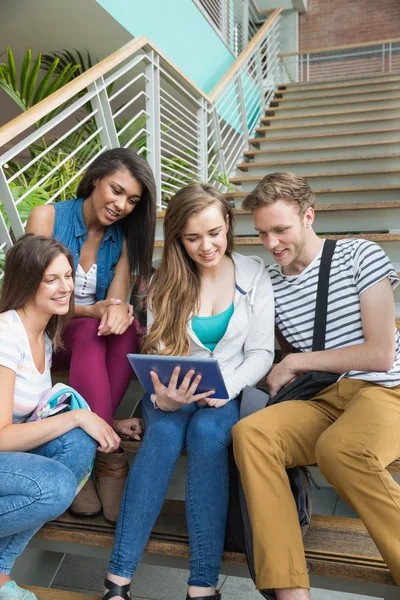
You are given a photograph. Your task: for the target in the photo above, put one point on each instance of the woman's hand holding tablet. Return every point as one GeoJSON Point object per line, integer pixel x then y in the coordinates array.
{"type": "Point", "coordinates": [173, 397]}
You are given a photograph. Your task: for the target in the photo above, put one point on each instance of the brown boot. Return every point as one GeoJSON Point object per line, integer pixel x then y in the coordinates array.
{"type": "Point", "coordinates": [86, 503]}
{"type": "Point", "coordinates": [111, 471]}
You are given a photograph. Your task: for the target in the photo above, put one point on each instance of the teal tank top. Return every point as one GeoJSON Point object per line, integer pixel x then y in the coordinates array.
{"type": "Point", "coordinates": [210, 330]}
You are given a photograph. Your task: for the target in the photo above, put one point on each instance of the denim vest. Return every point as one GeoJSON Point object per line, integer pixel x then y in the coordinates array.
{"type": "Point", "coordinates": [70, 229]}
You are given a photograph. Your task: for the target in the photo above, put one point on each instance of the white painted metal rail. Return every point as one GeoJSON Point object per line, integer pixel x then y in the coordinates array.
{"type": "Point", "coordinates": [342, 62]}
{"type": "Point", "coordinates": [235, 21]}
{"type": "Point", "coordinates": [135, 98]}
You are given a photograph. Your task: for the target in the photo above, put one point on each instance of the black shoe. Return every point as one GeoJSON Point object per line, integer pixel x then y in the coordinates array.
{"type": "Point", "coordinates": [115, 590]}
{"type": "Point", "coordinates": [216, 596]}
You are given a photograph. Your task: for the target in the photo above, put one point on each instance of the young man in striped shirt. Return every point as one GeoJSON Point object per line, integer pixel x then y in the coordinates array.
{"type": "Point", "coordinates": [352, 428]}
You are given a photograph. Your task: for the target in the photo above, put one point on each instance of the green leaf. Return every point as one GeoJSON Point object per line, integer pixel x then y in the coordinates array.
{"type": "Point", "coordinates": [32, 81]}
{"type": "Point", "coordinates": [4, 74]}
{"type": "Point", "coordinates": [11, 68]}
{"type": "Point", "coordinates": [62, 78]}
{"type": "Point", "coordinates": [41, 91]}
{"type": "Point", "coordinates": [25, 67]}
{"type": "Point", "coordinates": [6, 87]}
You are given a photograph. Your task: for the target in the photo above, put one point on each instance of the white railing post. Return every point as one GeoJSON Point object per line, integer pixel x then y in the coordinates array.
{"type": "Point", "coordinates": [103, 117]}
{"type": "Point", "coordinates": [218, 139]}
{"type": "Point", "coordinates": [390, 57]}
{"type": "Point", "coordinates": [308, 67]}
{"type": "Point", "coordinates": [224, 20]}
{"type": "Point", "coordinates": [202, 159]}
{"type": "Point", "coordinates": [245, 23]}
{"type": "Point", "coordinates": [383, 58]}
{"type": "Point", "coordinates": [5, 237]}
{"type": "Point", "coordinates": [259, 76]}
{"type": "Point", "coordinates": [9, 204]}
{"type": "Point", "coordinates": [153, 124]}
{"type": "Point", "coordinates": [242, 109]}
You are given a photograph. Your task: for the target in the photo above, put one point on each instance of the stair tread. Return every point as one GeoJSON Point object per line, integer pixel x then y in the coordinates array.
{"type": "Point", "coordinates": [374, 188]}
{"type": "Point", "coordinates": [331, 543]}
{"type": "Point", "coordinates": [323, 123]}
{"type": "Point", "coordinates": [54, 594]}
{"type": "Point", "coordinates": [251, 154]}
{"type": "Point", "coordinates": [330, 113]}
{"type": "Point", "coordinates": [236, 180]}
{"type": "Point", "coordinates": [328, 85]}
{"type": "Point", "coordinates": [333, 94]}
{"type": "Point", "coordinates": [255, 240]}
{"type": "Point", "coordinates": [334, 103]}
{"type": "Point", "coordinates": [309, 136]}
{"type": "Point", "coordinates": [325, 207]}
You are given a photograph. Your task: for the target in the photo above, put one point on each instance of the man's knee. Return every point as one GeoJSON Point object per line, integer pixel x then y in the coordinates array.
{"type": "Point", "coordinates": [333, 455]}
{"type": "Point", "coordinates": [250, 431]}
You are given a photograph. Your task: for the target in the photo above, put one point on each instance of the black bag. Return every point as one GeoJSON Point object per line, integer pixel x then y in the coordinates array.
{"type": "Point", "coordinates": [239, 536]}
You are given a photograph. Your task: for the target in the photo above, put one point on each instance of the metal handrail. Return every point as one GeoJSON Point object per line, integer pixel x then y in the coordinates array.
{"type": "Point", "coordinates": [342, 62]}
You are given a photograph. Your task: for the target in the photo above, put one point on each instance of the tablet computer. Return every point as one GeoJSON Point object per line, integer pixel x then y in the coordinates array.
{"type": "Point", "coordinates": [208, 368]}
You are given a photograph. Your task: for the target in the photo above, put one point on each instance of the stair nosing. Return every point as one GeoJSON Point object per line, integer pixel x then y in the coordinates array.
{"type": "Point", "coordinates": [265, 139]}
{"type": "Point", "coordinates": [324, 174]}
{"type": "Point", "coordinates": [356, 93]}
{"type": "Point", "coordinates": [316, 148]}
{"type": "Point", "coordinates": [315, 105]}
{"type": "Point", "coordinates": [335, 113]}
{"type": "Point", "coordinates": [325, 147]}
{"type": "Point", "coordinates": [326, 123]}
{"type": "Point", "coordinates": [328, 85]}
{"type": "Point", "coordinates": [344, 190]}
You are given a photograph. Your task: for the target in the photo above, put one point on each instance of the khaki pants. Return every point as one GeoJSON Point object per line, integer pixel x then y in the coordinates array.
{"type": "Point", "coordinates": [352, 430]}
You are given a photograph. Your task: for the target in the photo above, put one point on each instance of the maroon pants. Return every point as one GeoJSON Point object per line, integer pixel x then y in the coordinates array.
{"type": "Point", "coordinates": [98, 367]}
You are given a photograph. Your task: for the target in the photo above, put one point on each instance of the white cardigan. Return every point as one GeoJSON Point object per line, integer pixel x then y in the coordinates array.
{"type": "Point", "coordinates": [246, 351]}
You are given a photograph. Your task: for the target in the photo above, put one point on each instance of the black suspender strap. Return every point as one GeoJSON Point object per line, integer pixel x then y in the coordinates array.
{"type": "Point", "coordinates": [321, 308]}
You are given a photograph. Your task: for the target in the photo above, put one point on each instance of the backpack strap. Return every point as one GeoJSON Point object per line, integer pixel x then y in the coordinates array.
{"type": "Point", "coordinates": [321, 307]}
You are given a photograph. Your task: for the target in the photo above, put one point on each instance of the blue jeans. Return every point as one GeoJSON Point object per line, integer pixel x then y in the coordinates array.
{"type": "Point", "coordinates": [206, 432]}
{"type": "Point", "coordinates": [38, 486]}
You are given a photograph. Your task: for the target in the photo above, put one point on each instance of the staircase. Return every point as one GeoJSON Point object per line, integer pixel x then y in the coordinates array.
{"type": "Point", "coordinates": [344, 137]}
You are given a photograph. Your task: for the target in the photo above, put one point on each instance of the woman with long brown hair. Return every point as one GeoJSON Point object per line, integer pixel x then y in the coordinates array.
{"type": "Point", "coordinates": [43, 461]}
{"type": "Point", "coordinates": [204, 301]}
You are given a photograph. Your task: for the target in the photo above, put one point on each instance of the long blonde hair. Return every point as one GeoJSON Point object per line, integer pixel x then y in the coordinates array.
{"type": "Point", "coordinates": [175, 288]}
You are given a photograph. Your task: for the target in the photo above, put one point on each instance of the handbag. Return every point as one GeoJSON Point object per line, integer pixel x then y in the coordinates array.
{"type": "Point", "coordinates": [239, 535]}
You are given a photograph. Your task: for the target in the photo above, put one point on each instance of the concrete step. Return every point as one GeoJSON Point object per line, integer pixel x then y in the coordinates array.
{"type": "Point", "coordinates": [365, 84]}
{"type": "Point", "coordinates": [332, 116]}
{"type": "Point", "coordinates": [360, 123]}
{"type": "Point", "coordinates": [327, 154]}
{"type": "Point", "coordinates": [333, 180]}
{"type": "Point", "coordinates": [343, 195]}
{"type": "Point", "coordinates": [283, 99]}
{"type": "Point", "coordinates": [321, 107]}
{"type": "Point", "coordinates": [338, 218]}
{"type": "Point", "coordinates": [349, 137]}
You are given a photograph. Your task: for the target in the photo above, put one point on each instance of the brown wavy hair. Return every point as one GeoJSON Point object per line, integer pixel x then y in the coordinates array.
{"type": "Point", "coordinates": [26, 263]}
{"type": "Point", "coordinates": [175, 288]}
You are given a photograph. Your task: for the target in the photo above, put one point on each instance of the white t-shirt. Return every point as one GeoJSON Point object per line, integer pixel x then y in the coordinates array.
{"type": "Point", "coordinates": [15, 353]}
{"type": "Point", "coordinates": [356, 266]}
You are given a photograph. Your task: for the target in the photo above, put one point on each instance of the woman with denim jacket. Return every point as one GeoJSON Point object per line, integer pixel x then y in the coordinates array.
{"type": "Point", "coordinates": [109, 229]}
{"type": "Point", "coordinates": [204, 300]}
{"type": "Point", "coordinates": [42, 462]}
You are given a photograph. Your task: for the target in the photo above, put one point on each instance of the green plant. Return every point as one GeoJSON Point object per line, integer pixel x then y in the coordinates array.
{"type": "Point", "coordinates": [28, 88]}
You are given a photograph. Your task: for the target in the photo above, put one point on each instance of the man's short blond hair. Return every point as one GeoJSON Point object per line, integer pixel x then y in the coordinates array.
{"type": "Point", "coordinates": [281, 186]}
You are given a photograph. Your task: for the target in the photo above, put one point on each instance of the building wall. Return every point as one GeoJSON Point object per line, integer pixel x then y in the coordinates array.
{"type": "Point", "coordinates": [181, 32]}
{"type": "Point", "coordinates": [341, 22]}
